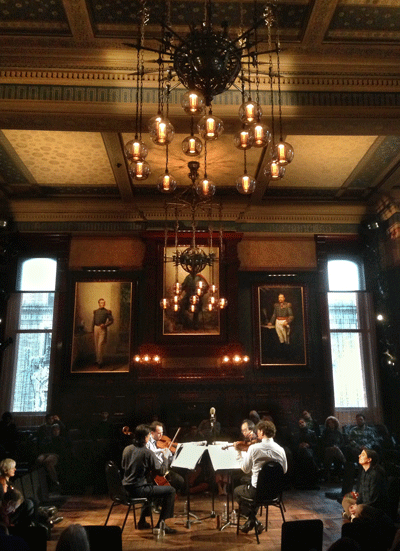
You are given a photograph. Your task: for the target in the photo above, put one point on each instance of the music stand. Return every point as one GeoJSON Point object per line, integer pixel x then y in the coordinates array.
{"type": "Point", "coordinates": [186, 457]}
{"type": "Point", "coordinates": [224, 459]}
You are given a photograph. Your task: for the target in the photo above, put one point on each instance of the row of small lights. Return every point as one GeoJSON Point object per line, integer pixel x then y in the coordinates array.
{"type": "Point", "coordinates": [149, 359]}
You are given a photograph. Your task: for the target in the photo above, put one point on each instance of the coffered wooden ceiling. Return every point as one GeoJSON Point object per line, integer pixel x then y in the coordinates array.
{"type": "Point", "coordinates": [67, 106]}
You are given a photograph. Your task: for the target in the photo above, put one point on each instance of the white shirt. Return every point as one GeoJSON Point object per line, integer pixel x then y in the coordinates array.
{"type": "Point", "coordinates": [257, 454]}
{"type": "Point", "coordinates": [160, 453]}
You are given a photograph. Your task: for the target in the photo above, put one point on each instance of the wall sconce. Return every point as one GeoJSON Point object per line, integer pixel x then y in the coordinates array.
{"type": "Point", "coordinates": [234, 359]}
{"type": "Point", "coordinates": [147, 359]}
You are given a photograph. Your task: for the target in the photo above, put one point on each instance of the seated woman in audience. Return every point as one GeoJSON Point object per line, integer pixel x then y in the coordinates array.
{"type": "Point", "coordinates": [332, 441]}
{"type": "Point", "coordinates": [24, 514]}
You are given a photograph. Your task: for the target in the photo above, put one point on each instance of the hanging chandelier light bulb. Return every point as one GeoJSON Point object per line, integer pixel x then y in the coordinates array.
{"type": "Point", "coordinates": [193, 102]}
{"type": "Point", "coordinates": [245, 184]}
{"type": "Point", "coordinates": [205, 188]}
{"type": "Point", "coordinates": [192, 146]}
{"type": "Point", "coordinates": [177, 288]}
{"type": "Point", "coordinates": [249, 112]}
{"type": "Point", "coordinates": [135, 150]}
{"type": "Point", "coordinates": [261, 134]}
{"type": "Point", "coordinates": [161, 130]}
{"type": "Point", "coordinates": [165, 303]}
{"type": "Point", "coordinates": [210, 127]}
{"type": "Point", "coordinates": [223, 303]}
{"type": "Point", "coordinates": [274, 170]}
{"type": "Point", "coordinates": [166, 183]}
{"type": "Point", "coordinates": [243, 139]}
{"type": "Point", "coordinates": [139, 170]}
{"type": "Point", "coordinates": [284, 153]}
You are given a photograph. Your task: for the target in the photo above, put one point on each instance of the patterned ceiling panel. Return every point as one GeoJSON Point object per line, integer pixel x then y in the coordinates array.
{"type": "Point", "coordinates": [9, 170]}
{"type": "Point", "coordinates": [369, 22]}
{"type": "Point", "coordinates": [119, 17]}
{"type": "Point", "coordinates": [314, 166]}
{"type": "Point", "coordinates": [63, 158]}
{"type": "Point", "coordinates": [33, 18]}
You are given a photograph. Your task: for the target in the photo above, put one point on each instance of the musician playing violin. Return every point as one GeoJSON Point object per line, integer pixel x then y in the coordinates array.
{"type": "Point", "coordinates": [251, 462]}
{"type": "Point", "coordinates": [138, 462]}
{"type": "Point", "coordinates": [159, 444]}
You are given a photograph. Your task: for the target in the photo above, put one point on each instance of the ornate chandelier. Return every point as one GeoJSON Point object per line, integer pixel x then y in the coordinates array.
{"type": "Point", "coordinates": [193, 259]}
{"type": "Point", "coordinates": [207, 62]}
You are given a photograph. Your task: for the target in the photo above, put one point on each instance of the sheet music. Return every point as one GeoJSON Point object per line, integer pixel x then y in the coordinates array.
{"type": "Point", "coordinates": [187, 455]}
{"type": "Point", "coordinates": [223, 460]}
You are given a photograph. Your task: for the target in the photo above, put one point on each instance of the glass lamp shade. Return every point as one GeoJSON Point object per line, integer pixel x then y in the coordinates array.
{"type": "Point", "coordinates": [249, 112]}
{"type": "Point", "coordinates": [213, 289]}
{"type": "Point", "coordinates": [205, 188]}
{"type": "Point", "coordinates": [166, 183]}
{"type": "Point", "coordinates": [194, 299]}
{"type": "Point", "coordinates": [139, 170]}
{"type": "Point", "coordinates": [284, 153]}
{"type": "Point", "coordinates": [245, 184]}
{"type": "Point", "coordinates": [274, 170]}
{"type": "Point", "coordinates": [210, 127]}
{"type": "Point", "coordinates": [177, 288]}
{"type": "Point", "coordinates": [161, 131]}
{"type": "Point", "coordinates": [135, 150]}
{"type": "Point", "coordinates": [223, 303]}
{"type": "Point", "coordinates": [176, 307]}
{"type": "Point", "coordinates": [193, 102]}
{"type": "Point", "coordinates": [164, 303]}
{"type": "Point", "coordinates": [192, 146]}
{"type": "Point", "coordinates": [243, 139]}
{"type": "Point", "coordinates": [261, 134]}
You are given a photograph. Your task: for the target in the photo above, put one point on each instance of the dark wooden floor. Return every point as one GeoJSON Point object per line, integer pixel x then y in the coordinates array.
{"type": "Point", "coordinates": [88, 509]}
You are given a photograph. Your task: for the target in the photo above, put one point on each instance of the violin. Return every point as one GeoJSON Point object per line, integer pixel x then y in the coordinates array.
{"type": "Point", "coordinates": [166, 443]}
{"type": "Point", "coordinates": [242, 446]}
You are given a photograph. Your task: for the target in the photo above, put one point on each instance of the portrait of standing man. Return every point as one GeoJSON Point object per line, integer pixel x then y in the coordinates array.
{"type": "Point", "coordinates": [101, 337]}
{"type": "Point", "coordinates": [102, 318]}
{"type": "Point", "coordinates": [281, 319]}
{"type": "Point", "coordinates": [281, 324]}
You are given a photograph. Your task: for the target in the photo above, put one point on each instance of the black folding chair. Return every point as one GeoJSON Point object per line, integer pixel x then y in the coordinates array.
{"type": "Point", "coordinates": [119, 495]}
{"type": "Point", "coordinates": [269, 491]}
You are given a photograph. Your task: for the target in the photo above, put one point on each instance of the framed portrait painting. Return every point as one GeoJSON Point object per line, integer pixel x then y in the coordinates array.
{"type": "Point", "coordinates": [188, 319]}
{"type": "Point", "coordinates": [280, 325]}
{"type": "Point", "coordinates": [102, 327]}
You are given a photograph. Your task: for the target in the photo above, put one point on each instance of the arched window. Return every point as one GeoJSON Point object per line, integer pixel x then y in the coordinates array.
{"type": "Point", "coordinates": [351, 333]}
{"type": "Point", "coordinates": [31, 326]}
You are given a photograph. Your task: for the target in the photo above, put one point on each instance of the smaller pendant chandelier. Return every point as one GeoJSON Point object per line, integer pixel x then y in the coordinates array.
{"type": "Point", "coordinates": [193, 259]}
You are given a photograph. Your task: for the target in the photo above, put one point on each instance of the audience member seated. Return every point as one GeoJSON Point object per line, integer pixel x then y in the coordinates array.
{"type": "Point", "coordinates": [371, 528]}
{"type": "Point", "coordinates": [304, 463]}
{"type": "Point", "coordinates": [9, 542]}
{"type": "Point", "coordinates": [73, 538]}
{"type": "Point", "coordinates": [371, 486]}
{"type": "Point", "coordinates": [8, 436]}
{"type": "Point", "coordinates": [345, 544]}
{"type": "Point", "coordinates": [332, 442]}
{"type": "Point", "coordinates": [24, 512]}
{"type": "Point", "coordinates": [311, 423]}
{"type": "Point", "coordinates": [47, 456]}
{"type": "Point", "coordinates": [361, 436]}
{"type": "Point", "coordinates": [254, 416]}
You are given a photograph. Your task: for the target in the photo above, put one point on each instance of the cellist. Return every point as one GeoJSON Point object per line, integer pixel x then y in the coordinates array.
{"type": "Point", "coordinates": [164, 453]}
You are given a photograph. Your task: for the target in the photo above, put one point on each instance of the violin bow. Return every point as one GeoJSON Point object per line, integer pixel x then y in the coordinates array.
{"type": "Point", "coordinates": [173, 440]}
